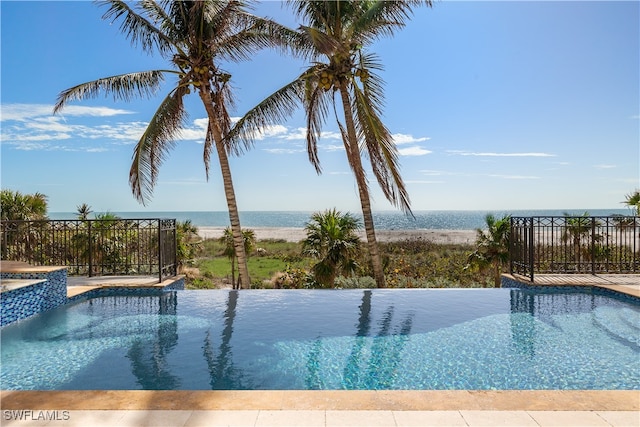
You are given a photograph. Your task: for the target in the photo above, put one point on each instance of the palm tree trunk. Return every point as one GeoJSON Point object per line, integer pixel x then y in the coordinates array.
{"type": "Point", "coordinates": [353, 154]}
{"type": "Point", "coordinates": [232, 207]}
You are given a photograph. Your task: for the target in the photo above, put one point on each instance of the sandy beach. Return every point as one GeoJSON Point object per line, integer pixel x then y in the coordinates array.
{"type": "Point", "coordinates": [290, 234]}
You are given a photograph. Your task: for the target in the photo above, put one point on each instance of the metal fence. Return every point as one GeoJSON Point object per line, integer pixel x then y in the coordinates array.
{"type": "Point", "coordinates": [94, 247]}
{"type": "Point", "coordinates": [574, 244]}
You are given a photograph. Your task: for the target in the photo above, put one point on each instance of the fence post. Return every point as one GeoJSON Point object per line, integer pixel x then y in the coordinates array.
{"type": "Point", "coordinates": [531, 250]}
{"type": "Point", "coordinates": [90, 250]}
{"type": "Point", "coordinates": [593, 246]}
{"type": "Point", "coordinates": [160, 260]}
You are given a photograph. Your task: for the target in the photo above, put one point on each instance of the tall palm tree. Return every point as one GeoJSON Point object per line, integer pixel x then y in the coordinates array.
{"type": "Point", "coordinates": [194, 36]}
{"type": "Point", "coordinates": [249, 239]}
{"type": "Point", "coordinates": [342, 76]}
{"type": "Point", "coordinates": [332, 239]}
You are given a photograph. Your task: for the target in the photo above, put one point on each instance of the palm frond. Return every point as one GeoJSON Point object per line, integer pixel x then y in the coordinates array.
{"type": "Point", "coordinates": [322, 42]}
{"type": "Point", "coordinates": [382, 151]}
{"type": "Point", "coordinates": [317, 103]}
{"type": "Point", "coordinates": [123, 87]}
{"type": "Point", "coordinates": [258, 33]}
{"type": "Point", "coordinates": [155, 143]}
{"type": "Point", "coordinates": [274, 109]}
{"type": "Point", "coordinates": [209, 142]}
{"type": "Point", "coordinates": [136, 27]}
{"type": "Point", "coordinates": [383, 18]}
{"type": "Point", "coordinates": [373, 85]}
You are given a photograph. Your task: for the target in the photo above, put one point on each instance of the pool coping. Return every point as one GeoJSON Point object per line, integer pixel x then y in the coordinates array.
{"type": "Point", "coordinates": [396, 400]}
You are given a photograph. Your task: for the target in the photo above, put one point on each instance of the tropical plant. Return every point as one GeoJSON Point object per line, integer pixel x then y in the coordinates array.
{"type": "Point", "coordinates": [577, 228]}
{"type": "Point", "coordinates": [332, 239]}
{"type": "Point", "coordinates": [187, 241]}
{"type": "Point", "coordinates": [194, 36]}
{"type": "Point", "coordinates": [492, 246]}
{"type": "Point", "coordinates": [343, 76]}
{"type": "Point", "coordinates": [227, 239]}
{"type": "Point", "coordinates": [633, 202]}
{"type": "Point", "coordinates": [83, 211]}
{"type": "Point", "coordinates": [22, 207]}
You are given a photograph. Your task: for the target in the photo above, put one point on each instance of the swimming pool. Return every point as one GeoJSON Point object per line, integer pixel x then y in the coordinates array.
{"type": "Point", "coordinates": [438, 339]}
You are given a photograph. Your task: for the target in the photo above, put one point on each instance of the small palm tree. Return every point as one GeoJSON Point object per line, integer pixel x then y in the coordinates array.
{"type": "Point", "coordinates": [332, 239]}
{"type": "Point", "coordinates": [342, 76]}
{"type": "Point", "coordinates": [83, 211]}
{"type": "Point", "coordinates": [492, 246]}
{"type": "Point", "coordinates": [194, 36]}
{"type": "Point", "coordinates": [249, 240]}
{"type": "Point", "coordinates": [633, 202]}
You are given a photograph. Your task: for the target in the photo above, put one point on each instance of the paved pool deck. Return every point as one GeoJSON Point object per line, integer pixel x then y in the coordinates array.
{"type": "Point", "coordinates": [325, 408]}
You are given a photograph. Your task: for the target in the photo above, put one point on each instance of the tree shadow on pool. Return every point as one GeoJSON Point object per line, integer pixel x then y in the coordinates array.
{"type": "Point", "coordinates": [386, 348]}
{"type": "Point", "coordinates": [223, 375]}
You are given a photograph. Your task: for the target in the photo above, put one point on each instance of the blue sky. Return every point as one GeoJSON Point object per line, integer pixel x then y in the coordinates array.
{"type": "Point", "coordinates": [494, 106]}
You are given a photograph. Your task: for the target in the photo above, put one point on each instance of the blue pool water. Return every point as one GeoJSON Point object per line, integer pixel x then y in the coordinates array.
{"type": "Point", "coordinates": [346, 339]}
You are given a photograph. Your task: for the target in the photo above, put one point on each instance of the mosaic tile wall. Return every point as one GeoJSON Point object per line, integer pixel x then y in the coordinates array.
{"type": "Point", "coordinates": [178, 285]}
{"type": "Point", "coordinates": [508, 282]}
{"type": "Point", "coordinates": [23, 302]}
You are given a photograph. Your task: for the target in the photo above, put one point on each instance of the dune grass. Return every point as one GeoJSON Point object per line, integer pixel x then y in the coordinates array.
{"type": "Point", "coordinates": [409, 263]}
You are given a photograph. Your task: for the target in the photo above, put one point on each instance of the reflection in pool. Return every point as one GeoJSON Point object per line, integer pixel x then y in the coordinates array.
{"type": "Point", "coordinates": [341, 339]}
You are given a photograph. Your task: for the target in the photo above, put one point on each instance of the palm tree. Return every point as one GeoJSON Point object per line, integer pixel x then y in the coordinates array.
{"type": "Point", "coordinates": [15, 206]}
{"type": "Point", "coordinates": [492, 245]}
{"type": "Point", "coordinates": [194, 36]}
{"type": "Point", "coordinates": [83, 211]}
{"type": "Point", "coordinates": [633, 201]}
{"type": "Point", "coordinates": [332, 239]}
{"type": "Point", "coordinates": [342, 75]}
{"type": "Point", "coordinates": [249, 240]}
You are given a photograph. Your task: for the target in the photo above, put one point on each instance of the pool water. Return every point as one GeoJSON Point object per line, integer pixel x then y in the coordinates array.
{"type": "Point", "coordinates": [432, 339]}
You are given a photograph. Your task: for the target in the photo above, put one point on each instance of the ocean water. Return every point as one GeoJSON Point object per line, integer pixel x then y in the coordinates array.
{"type": "Point", "coordinates": [386, 220]}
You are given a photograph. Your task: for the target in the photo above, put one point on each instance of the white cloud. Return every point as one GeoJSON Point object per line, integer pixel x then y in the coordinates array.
{"type": "Point", "coordinates": [413, 151]}
{"type": "Point", "coordinates": [23, 112]}
{"type": "Point", "coordinates": [24, 124]}
{"type": "Point", "coordinates": [333, 147]}
{"type": "Point", "coordinates": [284, 150]}
{"type": "Point", "coordinates": [492, 154]}
{"type": "Point", "coordinates": [605, 166]}
{"type": "Point", "coordinates": [401, 138]}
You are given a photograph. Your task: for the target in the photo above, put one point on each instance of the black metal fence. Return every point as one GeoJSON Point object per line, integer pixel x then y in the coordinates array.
{"type": "Point", "coordinates": [94, 247]}
{"type": "Point", "coordinates": [574, 244]}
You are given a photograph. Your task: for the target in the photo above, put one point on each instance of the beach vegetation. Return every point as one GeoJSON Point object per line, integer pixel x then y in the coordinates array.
{"type": "Point", "coordinates": [83, 211]}
{"type": "Point", "coordinates": [187, 243]}
{"type": "Point", "coordinates": [15, 206]}
{"type": "Point", "coordinates": [248, 239]}
{"type": "Point", "coordinates": [633, 202]}
{"type": "Point", "coordinates": [343, 77]}
{"type": "Point", "coordinates": [332, 241]}
{"type": "Point", "coordinates": [194, 38]}
{"type": "Point", "coordinates": [492, 246]}
{"type": "Point", "coordinates": [416, 263]}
